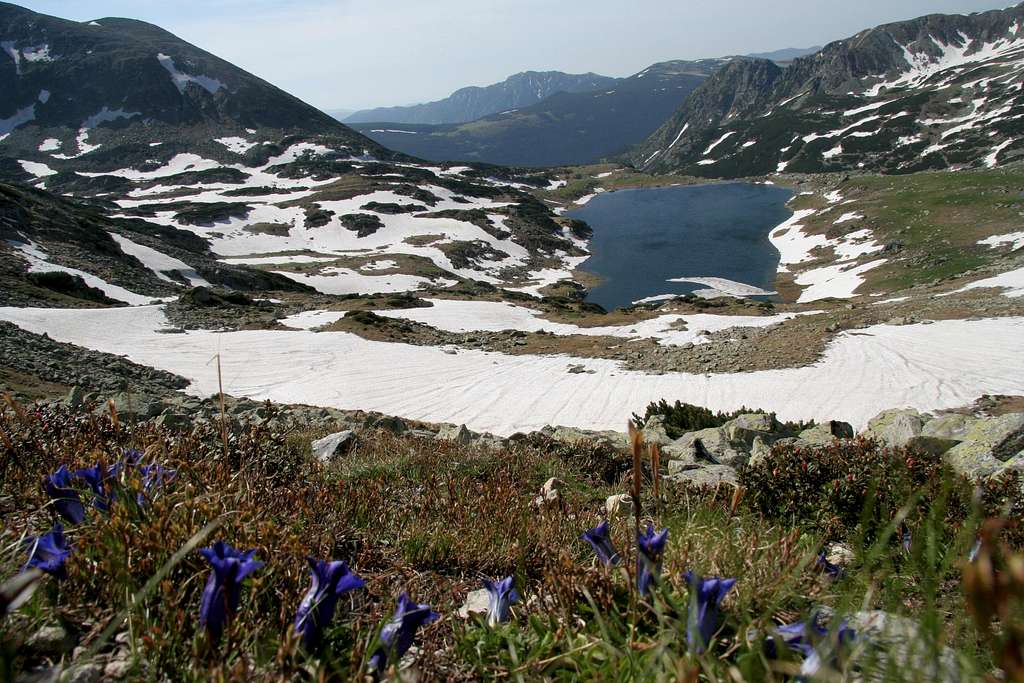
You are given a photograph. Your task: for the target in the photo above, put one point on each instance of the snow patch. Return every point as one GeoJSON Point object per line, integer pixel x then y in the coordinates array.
{"type": "Point", "coordinates": [20, 118]}
{"type": "Point", "coordinates": [181, 80]}
{"type": "Point", "coordinates": [159, 263]}
{"type": "Point", "coordinates": [1014, 239]}
{"type": "Point", "coordinates": [717, 142]}
{"type": "Point", "coordinates": [838, 281]}
{"type": "Point", "coordinates": [49, 145]}
{"type": "Point", "coordinates": [37, 169]}
{"type": "Point", "coordinates": [236, 145]}
{"type": "Point", "coordinates": [730, 287]}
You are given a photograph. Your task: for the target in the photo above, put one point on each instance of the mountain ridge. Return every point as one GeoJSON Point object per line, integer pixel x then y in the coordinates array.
{"type": "Point", "coordinates": [950, 73]}
{"type": "Point", "coordinates": [475, 102]}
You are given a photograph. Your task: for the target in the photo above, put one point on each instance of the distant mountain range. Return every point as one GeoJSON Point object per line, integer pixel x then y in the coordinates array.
{"type": "Point", "coordinates": [469, 104]}
{"type": "Point", "coordinates": [786, 54]}
{"type": "Point", "coordinates": [565, 128]}
{"type": "Point", "coordinates": [940, 91]}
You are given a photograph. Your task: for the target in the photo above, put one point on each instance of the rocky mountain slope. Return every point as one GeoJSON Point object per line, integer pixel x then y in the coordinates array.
{"type": "Point", "coordinates": [566, 128]}
{"type": "Point", "coordinates": [195, 171]}
{"type": "Point", "coordinates": [468, 104]}
{"type": "Point", "coordinates": [940, 91]}
{"type": "Point", "coordinates": [76, 88]}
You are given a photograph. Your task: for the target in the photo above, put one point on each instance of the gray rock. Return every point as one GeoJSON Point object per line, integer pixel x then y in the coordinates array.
{"type": "Point", "coordinates": [477, 602]}
{"type": "Point", "coordinates": [459, 434]}
{"type": "Point", "coordinates": [571, 435]}
{"type": "Point", "coordinates": [895, 428]}
{"type": "Point", "coordinates": [1004, 434]}
{"type": "Point", "coordinates": [49, 641]}
{"type": "Point", "coordinates": [654, 431]}
{"type": "Point", "coordinates": [711, 475]}
{"type": "Point", "coordinates": [711, 445]}
{"type": "Point", "coordinates": [951, 426]}
{"type": "Point", "coordinates": [334, 446]}
{"type": "Point", "coordinates": [386, 423]}
{"type": "Point", "coordinates": [118, 668]}
{"type": "Point", "coordinates": [818, 435]}
{"type": "Point", "coordinates": [759, 451]}
{"type": "Point", "coordinates": [75, 397]}
{"type": "Point", "coordinates": [746, 428]}
{"type": "Point", "coordinates": [550, 497]}
{"type": "Point", "coordinates": [86, 673]}
{"type": "Point", "coordinates": [896, 643]}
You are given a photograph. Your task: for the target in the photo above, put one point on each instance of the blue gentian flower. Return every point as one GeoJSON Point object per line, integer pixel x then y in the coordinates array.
{"type": "Point", "coordinates": [906, 539]}
{"type": "Point", "coordinates": [500, 596]}
{"type": "Point", "coordinates": [650, 549]}
{"type": "Point", "coordinates": [133, 456]}
{"type": "Point", "coordinates": [98, 478]}
{"type": "Point", "coordinates": [600, 540]}
{"type": "Point", "coordinates": [397, 635]}
{"type": "Point", "coordinates": [154, 477]}
{"type": "Point", "coordinates": [66, 500]}
{"type": "Point", "coordinates": [706, 597]}
{"type": "Point", "coordinates": [833, 570]}
{"type": "Point", "coordinates": [224, 586]}
{"type": "Point", "coordinates": [49, 552]}
{"type": "Point", "coordinates": [813, 641]}
{"type": "Point", "coordinates": [331, 580]}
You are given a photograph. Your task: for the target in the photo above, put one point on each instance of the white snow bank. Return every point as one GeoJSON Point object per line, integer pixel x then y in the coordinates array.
{"type": "Point", "coordinates": [19, 118]}
{"type": "Point", "coordinates": [724, 286]}
{"type": "Point", "coordinates": [49, 145]}
{"type": "Point", "coordinates": [181, 80]}
{"type": "Point", "coordinates": [37, 169]}
{"type": "Point", "coordinates": [940, 366]}
{"type": "Point", "coordinates": [348, 281]}
{"type": "Point", "coordinates": [852, 216]}
{"type": "Point", "coordinates": [1014, 239]}
{"type": "Point", "coordinates": [160, 263]}
{"type": "Point", "coordinates": [38, 263]}
{"type": "Point", "coordinates": [1012, 281]}
{"type": "Point", "coordinates": [794, 246]}
{"type": "Point", "coordinates": [838, 281]}
{"type": "Point", "coordinates": [236, 145]}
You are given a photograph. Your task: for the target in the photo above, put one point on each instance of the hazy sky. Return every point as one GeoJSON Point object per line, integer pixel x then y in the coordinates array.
{"type": "Point", "coordinates": [356, 54]}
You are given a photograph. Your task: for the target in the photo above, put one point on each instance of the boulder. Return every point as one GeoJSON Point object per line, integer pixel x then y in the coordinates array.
{"type": "Point", "coordinates": [951, 426]}
{"type": "Point", "coordinates": [759, 451]}
{"type": "Point", "coordinates": [459, 434]}
{"type": "Point", "coordinates": [710, 445]}
{"type": "Point", "coordinates": [896, 643]}
{"type": "Point", "coordinates": [710, 475]}
{"type": "Point", "coordinates": [745, 428]}
{"type": "Point", "coordinates": [50, 641]}
{"type": "Point", "coordinates": [334, 446]}
{"type": "Point", "coordinates": [571, 435]}
{"type": "Point", "coordinates": [654, 431]}
{"type": "Point", "coordinates": [896, 427]}
{"type": "Point", "coordinates": [839, 554]}
{"type": "Point", "coordinates": [385, 423]}
{"type": "Point", "coordinates": [989, 447]}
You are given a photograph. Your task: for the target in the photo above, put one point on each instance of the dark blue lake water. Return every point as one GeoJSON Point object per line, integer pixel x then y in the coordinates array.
{"type": "Point", "coordinates": [644, 238]}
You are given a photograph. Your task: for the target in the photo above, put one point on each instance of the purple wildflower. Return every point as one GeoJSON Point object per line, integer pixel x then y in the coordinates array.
{"type": "Point", "coordinates": [397, 635]}
{"type": "Point", "coordinates": [154, 478]}
{"type": "Point", "coordinates": [500, 596]}
{"type": "Point", "coordinates": [650, 549]}
{"type": "Point", "coordinates": [66, 500]}
{"type": "Point", "coordinates": [906, 539]}
{"type": "Point", "coordinates": [331, 580]}
{"type": "Point", "coordinates": [813, 641]}
{"type": "Point", "coordinates": [600, 540]}
{"type": "Point", "coordinates": [49, 552]}
{"type": "Point", "coordinates": [706, 597]}
{"type": "Point", "coordinates": [224, 587]}
{"type": "Point", "coordinates": [98, 479]}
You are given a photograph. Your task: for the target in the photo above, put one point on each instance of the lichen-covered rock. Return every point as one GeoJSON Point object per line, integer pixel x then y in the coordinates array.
{"type": "Point", "coordinates": [571, 435]}
{"type": "Point", "coordinates": [620, 504]}
{"type": "Point", "coordinates": [710, 475]}
{"type": "Point", "coordinates": [825, 433]}
{"type": "Point", "coordinates": [759, 451]}
{"type": "Point", "coordinates": [746, 428]}
{"type": "Point", "coordinates": [458, 434]}
{"type": "Point", "coordinates": [898, 644]}
{"type": "Point", "coordinates": [1004, 434]}
{"type": "Point", "coordinates": [654, 431]}
{"type": "Point", "coordinates": [710, 444]}
{"type": "Point", "coordinates": [950, 426]}
{"type": "Point", "coordinates": [896, 427]}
